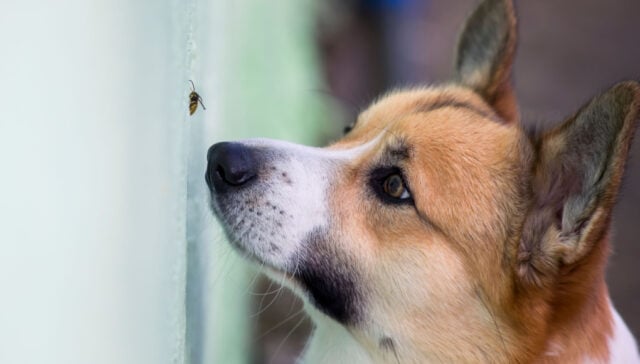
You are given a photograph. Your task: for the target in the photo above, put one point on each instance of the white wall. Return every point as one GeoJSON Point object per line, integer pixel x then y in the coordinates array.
{"type": "Point", "coordinates": [92, 181]}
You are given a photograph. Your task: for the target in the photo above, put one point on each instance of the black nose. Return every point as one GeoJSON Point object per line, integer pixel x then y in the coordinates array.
{"type": "Point", "coordinates": [229, 165]}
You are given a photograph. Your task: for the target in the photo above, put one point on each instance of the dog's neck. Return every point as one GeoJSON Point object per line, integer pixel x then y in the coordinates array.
{"type": "Point", "coordinates": [332, 343]}
{"type": "Point", "coordinates": [581, 326]}
{"type": "Point", "coordinates": [600, 336]}
{"type": "Point", "coordinates": [579, 331]}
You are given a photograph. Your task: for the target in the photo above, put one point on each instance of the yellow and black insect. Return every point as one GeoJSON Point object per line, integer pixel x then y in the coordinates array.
{"type": "Point", "coordinates": [194, 99]}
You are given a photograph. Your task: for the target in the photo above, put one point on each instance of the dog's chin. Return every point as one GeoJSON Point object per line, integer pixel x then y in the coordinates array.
{"type": "Point", "coordinates": [248, 250]}
{"type": "Point", "coordinates": [261, 259]}
{"type": "Point", "coordinates": [248, 239]}
{"type": "Point", "coordinates": [275, 270]}
{"type": "Point", "coordinates": [304, 261]}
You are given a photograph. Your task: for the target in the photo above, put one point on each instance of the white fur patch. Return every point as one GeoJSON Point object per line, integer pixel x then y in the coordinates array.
{"type": "Point", "coordinates": [292, 200]}
{"type": "Point", "coordinates": [622, 345]}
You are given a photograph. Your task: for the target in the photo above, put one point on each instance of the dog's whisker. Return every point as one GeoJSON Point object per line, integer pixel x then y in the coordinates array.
{"type": "Point", "coordinates": [280, 324]}
{"type": "Point", "coordinates": [260, 309]}
{"type": "Point", "coordinates": [225, 261]}
{"type": "Point", "coordinates": [259, 294]}
{"type": "Point", "coordinates": [256, 273]}
{"type": "Point", "coordinates": [278, 291]}
{"type": "Point", "coordinates": [295, 271]}
{"type": "Point", "coordinates": [287, 337]}
{"type": "Point", "coordinates": [276, 294]}
{"type": "Point", "coordinates": [273, 300]}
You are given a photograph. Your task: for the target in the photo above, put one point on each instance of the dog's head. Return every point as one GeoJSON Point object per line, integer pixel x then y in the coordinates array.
{"type": "Point", "coordinates": [436, 214]}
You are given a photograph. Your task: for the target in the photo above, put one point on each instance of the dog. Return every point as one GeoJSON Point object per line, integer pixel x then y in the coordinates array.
{"type": "Point", "coordinates": [439, 229]}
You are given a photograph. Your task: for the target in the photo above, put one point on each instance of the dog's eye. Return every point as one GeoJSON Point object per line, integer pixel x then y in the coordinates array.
{"type": "Point", "coordinates": [394, 187]}
{"type": "Point", "coordinates": [389, 186]}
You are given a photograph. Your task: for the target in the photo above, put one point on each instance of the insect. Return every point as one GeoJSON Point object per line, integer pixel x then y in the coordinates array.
{"type": "Point", "coordinates": [194, 99]}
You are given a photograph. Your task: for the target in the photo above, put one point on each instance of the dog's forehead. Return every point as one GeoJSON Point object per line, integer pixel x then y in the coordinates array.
{"type": "Point", "coordinates": [450, 142]}
{"type": "Point", "coordinates": [399, 103]}
{"type": "Point", "coordinates": [425, 118]}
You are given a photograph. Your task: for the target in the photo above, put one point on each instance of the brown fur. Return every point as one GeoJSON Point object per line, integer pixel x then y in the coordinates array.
{"type": "Point", "coordinates": [517, 289]}
{"type": "Point", "coordinates": [456, 173]}
{"type": "Point", "coordinates": [497, 251]}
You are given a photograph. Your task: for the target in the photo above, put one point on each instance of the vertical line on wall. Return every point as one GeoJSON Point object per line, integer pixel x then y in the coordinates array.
{"type": "Point", "coordinates": [194, 332]}
{"type": "Point", "coordinates": [184, 27]}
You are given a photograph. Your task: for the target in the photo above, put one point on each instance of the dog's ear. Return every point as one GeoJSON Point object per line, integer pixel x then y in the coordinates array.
{"type": "Point", "coordinates": [485, 52]}
{"type": "Point", "coordinates": [577, 172]}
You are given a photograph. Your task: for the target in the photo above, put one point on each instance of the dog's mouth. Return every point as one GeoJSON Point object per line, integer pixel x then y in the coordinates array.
{"type": "Point", "coordinates": [253, 230]}
{"type": "Point", "coordinates": [272, 204]}
{"type": "Point", "coordinates": [311, 268]}
{"type": "Point", "coordinates": [267, 197]}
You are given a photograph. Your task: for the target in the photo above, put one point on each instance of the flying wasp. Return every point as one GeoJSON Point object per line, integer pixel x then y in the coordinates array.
{"type": "Point", "coordinates": [194, 99]}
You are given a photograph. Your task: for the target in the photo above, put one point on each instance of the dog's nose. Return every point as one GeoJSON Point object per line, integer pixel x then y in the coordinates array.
{"type": "Point", "coordinates": [229, 165]}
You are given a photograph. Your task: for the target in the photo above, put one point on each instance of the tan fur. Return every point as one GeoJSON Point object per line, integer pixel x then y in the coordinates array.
{"type": "Point", "coordinates": [467, 245]}
{"type": "Point", "coordinates": [500, 256]}
{"type": "Point", "coordinates": [459, 245]}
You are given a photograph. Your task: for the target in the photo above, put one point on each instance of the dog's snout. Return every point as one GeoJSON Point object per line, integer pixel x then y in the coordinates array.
{"type": "Point", "coordinates": [229, 165]}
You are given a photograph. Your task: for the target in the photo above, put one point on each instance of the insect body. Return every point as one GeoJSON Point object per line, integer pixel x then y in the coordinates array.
{"type": "Point", "coordinates": [194, 99]}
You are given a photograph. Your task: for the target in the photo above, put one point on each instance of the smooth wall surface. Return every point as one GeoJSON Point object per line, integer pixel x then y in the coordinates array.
{"type": "Point", "coordinates": [93, 187]}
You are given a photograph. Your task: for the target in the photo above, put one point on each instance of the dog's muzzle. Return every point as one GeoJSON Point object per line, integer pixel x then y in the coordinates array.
{"type": "Point", "coordinates": [271, 199]}
{"type": "Point", "coordinates": [230, 166]}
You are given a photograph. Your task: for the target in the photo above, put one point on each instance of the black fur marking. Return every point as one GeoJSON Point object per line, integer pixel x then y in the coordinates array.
{"type": "Point", "coordinates": [331, 283]}
{"type": "Point", "coordinates": [398, 151]}
{"type": "Point", "coordinates": [347, 129]}
{"type": "Point", "coordinates": [386, 343]}
{"type": "Point", "coordinates": [459, 105]}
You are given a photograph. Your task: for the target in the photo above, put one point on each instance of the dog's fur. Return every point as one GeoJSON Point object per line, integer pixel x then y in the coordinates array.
{"type": "Point", "coordinates": [496, 256]}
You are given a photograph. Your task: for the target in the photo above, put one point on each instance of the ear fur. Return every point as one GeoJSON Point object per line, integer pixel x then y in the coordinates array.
{"type": "Point", "coordinates": [576, 178]}
{"type": "Point", "coordinates": [485, 52]}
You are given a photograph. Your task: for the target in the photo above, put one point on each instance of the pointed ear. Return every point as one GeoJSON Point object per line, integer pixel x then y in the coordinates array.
{"type": "Point", "coordinates": [485, 54]}
{"type": "Point", "coordinates": [576, 178]}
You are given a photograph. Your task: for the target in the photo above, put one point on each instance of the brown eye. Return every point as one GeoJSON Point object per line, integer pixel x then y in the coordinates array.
{"type": "Point", "coordinates": [394, 187]}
